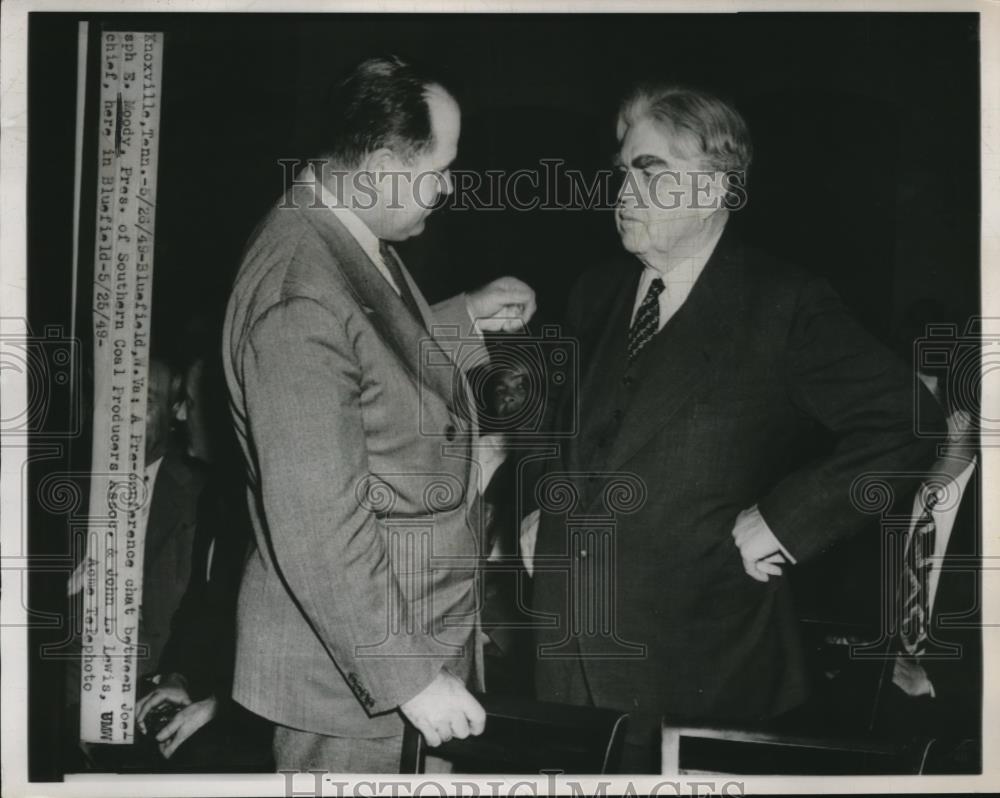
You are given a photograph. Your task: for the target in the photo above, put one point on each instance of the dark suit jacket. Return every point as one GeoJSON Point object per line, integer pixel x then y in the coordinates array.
{"type": "Point", "coordinates": [170, 536]}
{"type": "Point", "coordinates": [201, 645]}
{"type": "Point", "coordinates": [636, 568]}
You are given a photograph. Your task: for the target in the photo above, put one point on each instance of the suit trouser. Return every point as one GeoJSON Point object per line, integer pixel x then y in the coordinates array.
{"type": "Point", "coordinates": [301, 751]}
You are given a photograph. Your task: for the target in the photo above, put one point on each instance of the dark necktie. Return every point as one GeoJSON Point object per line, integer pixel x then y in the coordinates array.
{"type": "Point", "coordinates": [397, 277]}
{"type": "Point", "coordinates": [917, 563]}
{"type": "Point", "coordinates": [647, 320]}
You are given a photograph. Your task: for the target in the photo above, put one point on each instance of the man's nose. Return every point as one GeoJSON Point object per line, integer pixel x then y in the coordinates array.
{"type": "Point", "coordinates": [447, 185]}
{"type": "Point", "coordinates": [626, 196]}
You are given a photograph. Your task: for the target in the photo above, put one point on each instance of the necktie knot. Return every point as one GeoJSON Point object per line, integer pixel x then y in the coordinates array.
{"type": "Point", "coordinates": [656, 287]}
{"type": "Point", "coordinates": [933, 497]}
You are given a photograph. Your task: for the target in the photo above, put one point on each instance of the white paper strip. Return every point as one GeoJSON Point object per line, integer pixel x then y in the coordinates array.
{"type": "Point", "coordinates": [123, 268]}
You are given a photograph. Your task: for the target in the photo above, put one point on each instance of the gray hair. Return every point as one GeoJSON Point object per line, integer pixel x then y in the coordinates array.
{"type": "Point", "coordinates": [700, 125]}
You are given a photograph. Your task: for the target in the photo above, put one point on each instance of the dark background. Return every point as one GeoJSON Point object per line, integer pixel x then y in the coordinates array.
{"type": "Point", "coordinates": [866, 132]}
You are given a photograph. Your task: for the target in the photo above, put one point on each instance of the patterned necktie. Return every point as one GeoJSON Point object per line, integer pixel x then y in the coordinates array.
{"type": "Point", "coordinates": [397, 277]}
{"type": "Point", "coordinates": [917, 563]}
{"type": "Point", "coordinates": [647, 320]}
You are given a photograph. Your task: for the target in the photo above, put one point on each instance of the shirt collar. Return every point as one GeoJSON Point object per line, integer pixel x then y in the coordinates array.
{"type": "Point", "coordinates": [152, 469]}
{"type": "Point", "coordinates": [687, 270]}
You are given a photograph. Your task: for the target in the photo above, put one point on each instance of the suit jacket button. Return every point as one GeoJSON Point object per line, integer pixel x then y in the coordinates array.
{"type": "Point", "coordinates": [628, 381]}
{"type": "Point", "coordinates": [617, 415]}
{"type": "Point", "coordinates": [449, 432]}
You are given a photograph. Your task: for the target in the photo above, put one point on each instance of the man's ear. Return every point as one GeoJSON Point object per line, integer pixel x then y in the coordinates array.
{"type": "Point", "coordinates": [377, 165]}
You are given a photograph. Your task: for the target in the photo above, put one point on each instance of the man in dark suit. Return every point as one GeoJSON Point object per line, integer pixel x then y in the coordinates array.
{"type": "Point", "coordinates": [359, 600]}
{"type": "Point", "coordinates": [669, 516]}
{"type": "Point", "coordinates": [176, 482]}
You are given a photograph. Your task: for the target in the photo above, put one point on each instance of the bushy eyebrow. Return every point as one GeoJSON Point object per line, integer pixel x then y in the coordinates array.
{"type": "Point", "coordinates": [646, 161]}
{"type": "Point", "coordinates": [641, 161]}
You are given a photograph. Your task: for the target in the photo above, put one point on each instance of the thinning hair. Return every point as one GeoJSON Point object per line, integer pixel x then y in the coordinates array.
{"type": "Point", "coordinates": [381, 102]}
{"type": "Point", "coordinates": [700, 125]}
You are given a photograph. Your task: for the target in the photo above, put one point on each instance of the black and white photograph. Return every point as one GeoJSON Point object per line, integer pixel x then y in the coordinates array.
{"type": "Point", "coordinates": [499, 398]}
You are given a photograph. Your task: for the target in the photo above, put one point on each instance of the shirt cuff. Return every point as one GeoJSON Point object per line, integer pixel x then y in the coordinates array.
{"type": "Point", "coordinates": [759, 519]}
{"type": "Point", "coordinates": [473, 322]}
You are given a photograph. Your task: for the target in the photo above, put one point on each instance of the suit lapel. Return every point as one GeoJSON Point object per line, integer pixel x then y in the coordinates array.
{"type": "Point", "coordinates": [448, 369]}
{"type": "Point", "coordinates": [604, 370]}
{"type": "Point", "coordinates": [411, 342]}
{"type": "Point", "coordinates": [685, 352]}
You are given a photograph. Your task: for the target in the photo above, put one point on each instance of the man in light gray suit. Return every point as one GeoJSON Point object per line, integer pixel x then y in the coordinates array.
{"type": "Point", "coordinates": [358, 604]}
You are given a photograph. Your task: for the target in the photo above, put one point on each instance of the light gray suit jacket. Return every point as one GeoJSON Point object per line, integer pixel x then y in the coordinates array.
{"type": "Point", "coordinates": [362, 486]}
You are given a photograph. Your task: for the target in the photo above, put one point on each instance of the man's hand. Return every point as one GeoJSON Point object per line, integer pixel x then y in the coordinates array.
{"type": "Point", "coordinates": [445, 709]}
{"type": "Point", "coordinates": [505, 305]}
{"type": "Point", "coordinates": [763, 554]}
{"type": "Point", "coordinates": [185, 723]}
{"type": "Point", "coordinates": [172, 688]}
{"type": "Point", "coordinates": [78, 578]}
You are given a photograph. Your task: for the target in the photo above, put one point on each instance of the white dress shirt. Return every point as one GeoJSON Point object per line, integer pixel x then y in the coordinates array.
{"type": "Point", "coordinates": [359, 231]}
{"type": "Point", "coordinates": [677, 282]}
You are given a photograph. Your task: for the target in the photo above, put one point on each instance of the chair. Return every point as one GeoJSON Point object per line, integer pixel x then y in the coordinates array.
{"type": "Point", "coordinates": [848, 687]}
{"type": "Point", "coordinates": [694, 750]}
{"type": "Point", "coordinates": [524, 736]}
